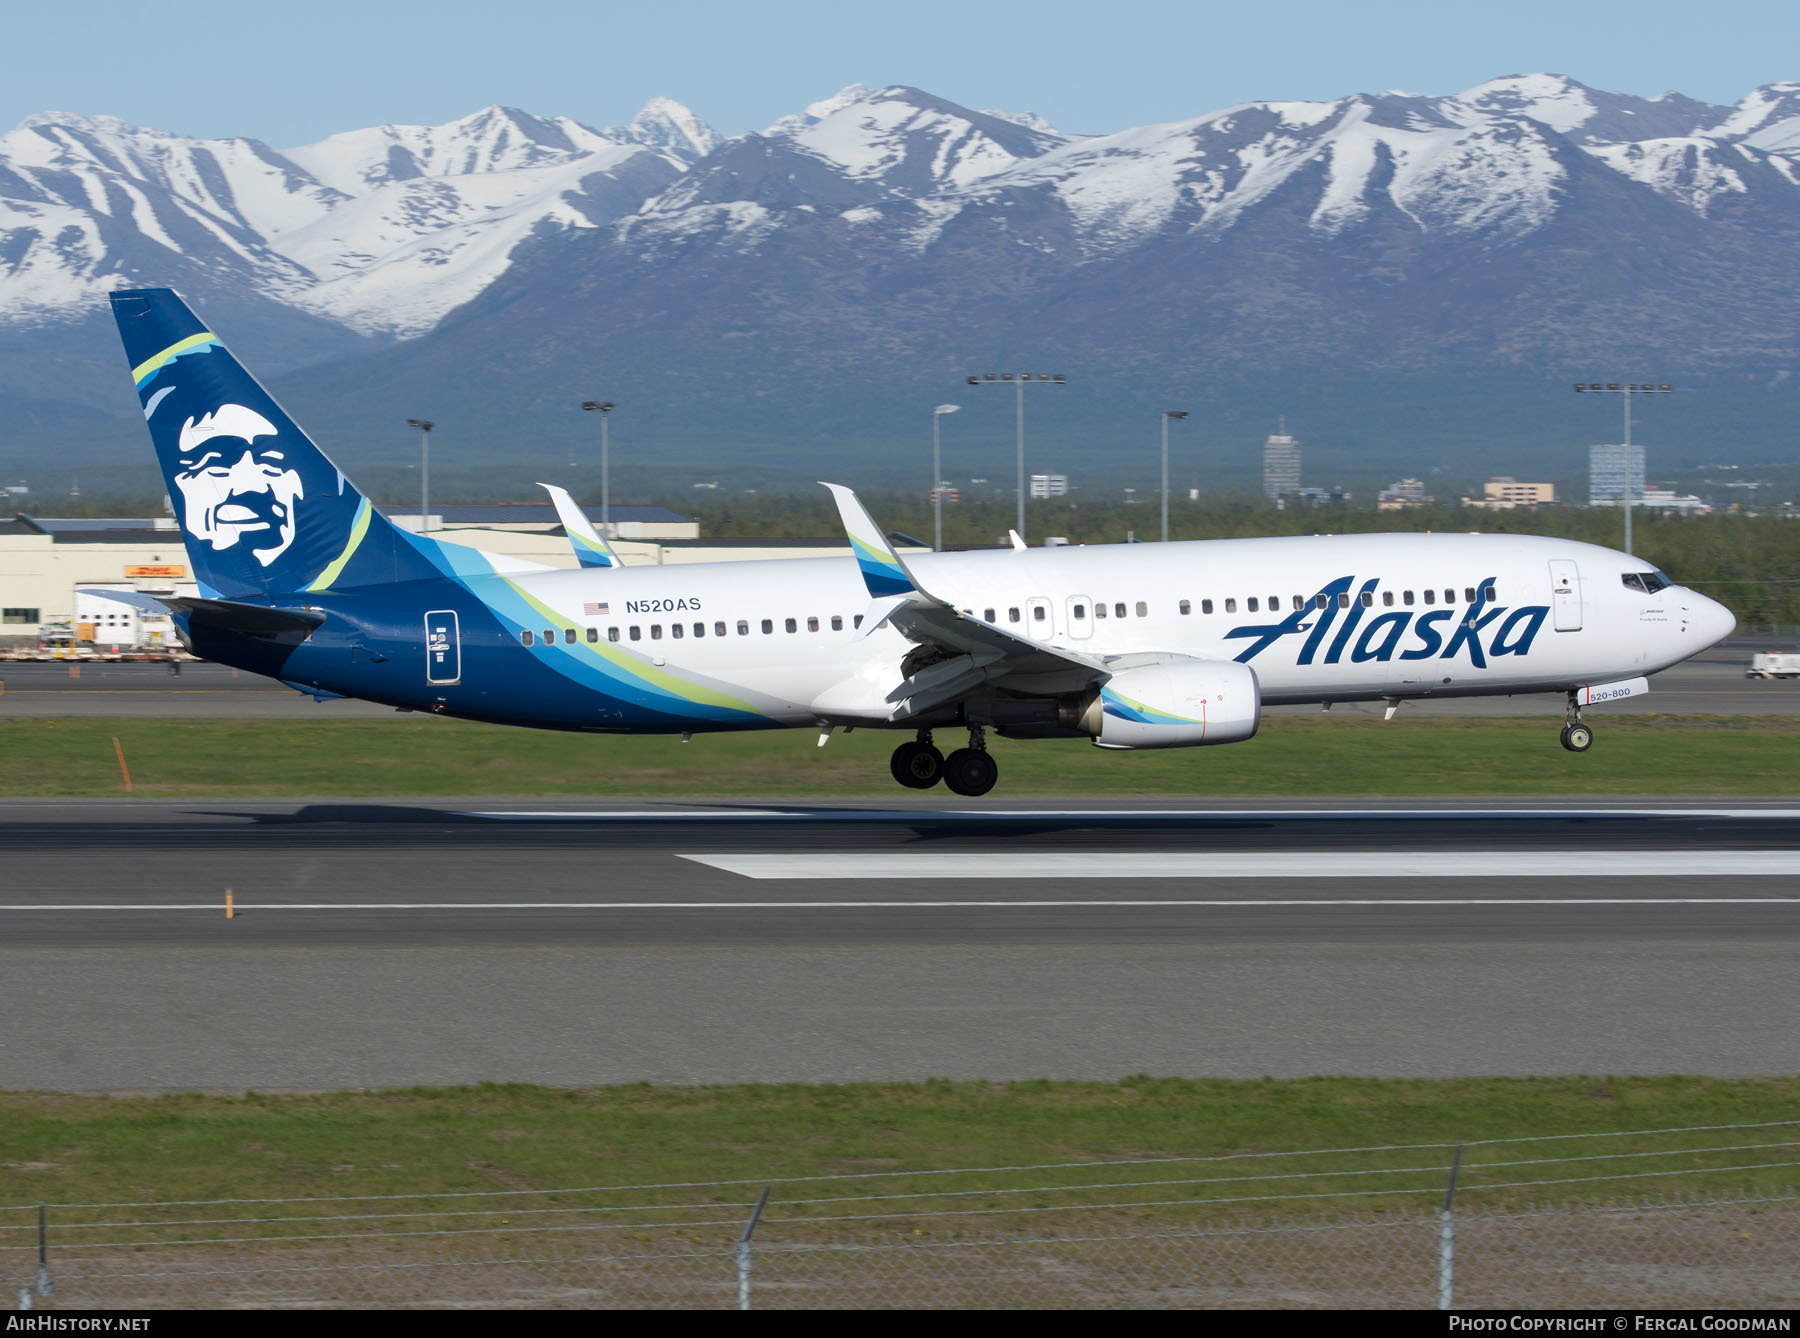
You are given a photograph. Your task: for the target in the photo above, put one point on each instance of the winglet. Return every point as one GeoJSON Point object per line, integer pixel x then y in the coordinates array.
{"type": "Point", "coordinates": [1017, 543]}
{"type": "Point", "coordinates": [882, 570]}
{"type": "Point", "coordinates": [590, 549]}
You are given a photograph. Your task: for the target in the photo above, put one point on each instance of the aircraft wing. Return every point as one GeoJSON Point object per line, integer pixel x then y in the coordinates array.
{"type": "Point", "coordinates": [954, 653]}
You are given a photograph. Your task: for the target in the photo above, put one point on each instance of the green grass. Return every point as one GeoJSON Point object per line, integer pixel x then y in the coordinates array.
{"type": "Point", "coordinates": [1640, 754]}
{"type": "Point", "coordinates": [97, 1149]}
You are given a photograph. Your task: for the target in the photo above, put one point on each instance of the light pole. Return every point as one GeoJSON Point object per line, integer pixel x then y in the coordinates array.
{"type": "Point", "coordinates": [1167, 415]}
{"type": "Point", "coordinates": [605, 407]}
{"type": "Point", "coordinates": [937, 478]}
{"type": "Point", "coordinates": [1627, 391]}
{"type": "Point", "coordinates": [424, 425]}
{"type": "Point", "coordinates": [1022, 380]}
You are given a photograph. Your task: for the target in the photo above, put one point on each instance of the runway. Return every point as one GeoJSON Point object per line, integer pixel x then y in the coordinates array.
{"type": "Point", "coordinates": [1711, 684]}
{"type": "Point", "coordinates": [440, 942]}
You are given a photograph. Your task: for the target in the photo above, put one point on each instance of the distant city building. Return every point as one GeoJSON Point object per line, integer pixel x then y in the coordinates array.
{"type": "Point", "coordinates": [1666, 499]}
{"type": "Point", "coordinates": [1049, 485]}
{"type": "Point", "coordinates": [1506, 493]}
{"type": "Point", "coordinates": [1400, 495]}
{"type": "Point", "coordinates": [1281, 466]}
{"type": "Point", "coordinates": [1323, 496]}
{"type": "Point", "coordinates": [1610, 472]}
{"type": "Point", "coordinates": [945, 493]}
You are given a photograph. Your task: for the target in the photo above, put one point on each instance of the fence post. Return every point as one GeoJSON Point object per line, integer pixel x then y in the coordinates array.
{"type": "Point", "coordinates": [45, 1287]}
{"type": "Point", "coordinates": [743, 1250]}
{"type": "Point", "coordinates": [1447, 1238]}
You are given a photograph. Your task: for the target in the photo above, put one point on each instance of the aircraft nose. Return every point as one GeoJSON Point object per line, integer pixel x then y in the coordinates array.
{"type": "Point", "coordinates": [1710, 619]}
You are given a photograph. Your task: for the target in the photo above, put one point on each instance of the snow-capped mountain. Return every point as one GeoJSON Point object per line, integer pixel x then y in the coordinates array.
{"type": "Point", "coordinates": [1528, 222]}
{"type": "Point", "coordinates": [380, 230]}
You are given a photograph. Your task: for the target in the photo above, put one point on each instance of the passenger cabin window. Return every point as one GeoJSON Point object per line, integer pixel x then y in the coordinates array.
{"type": "Point", "coordinates": [1431, 596]}
{"type": "Point", "coordinates": [525, 637]}
{"type": "Point", "coordinates": [656, 631]}
{"type": "Point", "coordinates": [593, 635]}
{"type": "Point", "coordinates": [812, 624]}
{"type": "Point", "coordinates": [637, 634]}
{"type": "Point", "coordinates": [1343, 600]}
{"type": "Point", "coordinates": [1468, 594]}
{"type": "Point", "coordinates": [1387, 599]}
{"type": "Point", "coordinates": [569, 636]}
{"type": "Point", "coordinates": [1299, 602]}
{"type": "Point", "coordinates": [718, 629]}
{"type": "Point", "coordinates": [612, 634]}
{"type": "Point", "coordinates": [1186, 608]}
{"type": "Point", "coordinates": [1012, 615]}
{"type": "Point", "coordinates": [1368, 600]}
{"type": "Point", "coordinates": [1250, 604]}
{"type": "Point", "coordinates": [1079, 611]}
{"type": "Point", "coordinates": [1143, 609]}
{"type": "Point", "coordinates": [549, 636]}
{"type": "Point", "coordinates": [1118, 610]}
{"type": "Point", "coordinates": [837, 622]}
{"type": "Point", "coordinates": [1231, 606]}
{"type": "Point", "coordinates": [1038, 613]}
{"type": "Point", "coordinates": [1450, 596]}
{"type": "Point", "coordinates": [699, 629]}
{"type": "Point", "coordinates": [792, 625]}
{"type": "Point", "coordinates": [856, 621]}
{"type": "Point", "coordinates": [1406, 598]}
{"type": "Point", "coordinates": [988, 614]}
{"type": "Point", "coordinates": [1321, 601]}
{"type": "Point", "coordinates": [1206, 606]}
{"type": "Point", "coordinates": [1099, 610]}
{"type": "Point", "coordinates": [768, 626]}
{"type": "Point", "coordinates": [743, 627]}
{"type": "Point", "coordinates": [675, 631]}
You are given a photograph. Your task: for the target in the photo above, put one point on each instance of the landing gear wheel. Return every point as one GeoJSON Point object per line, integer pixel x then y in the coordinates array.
{"type": "Point", "coordinates": [1577, 738]}
{"type": "Point", "coordinates": [918, 766]}
{"type": "Point", "coordinates": [969, 772]}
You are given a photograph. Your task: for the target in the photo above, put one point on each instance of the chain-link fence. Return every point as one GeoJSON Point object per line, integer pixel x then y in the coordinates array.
{"type": "Point", "coordinates": [1387, 1227]}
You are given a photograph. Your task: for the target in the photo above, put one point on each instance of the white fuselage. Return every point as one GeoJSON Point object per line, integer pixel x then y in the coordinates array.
{"type": "Point", "coordinates": [1319, 619]}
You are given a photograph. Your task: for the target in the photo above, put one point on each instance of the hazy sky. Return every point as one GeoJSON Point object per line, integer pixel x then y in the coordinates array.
{"type": "Point", "coordinates": [290, 74]}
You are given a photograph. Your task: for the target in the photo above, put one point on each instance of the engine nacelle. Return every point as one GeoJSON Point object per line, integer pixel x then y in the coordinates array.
{"type": "Point", "coordinates": [1181, 704]}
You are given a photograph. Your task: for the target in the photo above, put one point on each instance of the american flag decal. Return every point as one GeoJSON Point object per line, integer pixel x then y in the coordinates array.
{"type": "Point", "coordinates": [597, 610]}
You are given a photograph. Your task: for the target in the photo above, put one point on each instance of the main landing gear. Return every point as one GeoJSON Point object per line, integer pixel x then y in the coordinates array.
{"type": "Point", "coordinates": [967, 771]}
{"type": "Point", "coordinates": [1576, 736]}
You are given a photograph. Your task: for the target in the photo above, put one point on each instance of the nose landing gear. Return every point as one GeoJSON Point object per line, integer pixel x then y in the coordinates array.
{"type": "Point", "coordinates": [1576, 736]}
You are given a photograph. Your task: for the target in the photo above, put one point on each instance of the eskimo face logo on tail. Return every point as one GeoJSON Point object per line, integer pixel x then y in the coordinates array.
{"type": "Point", "coordinates": [236, 483]}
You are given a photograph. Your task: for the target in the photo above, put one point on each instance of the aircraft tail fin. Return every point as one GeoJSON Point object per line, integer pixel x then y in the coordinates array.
{"type": "Point", "coordinates": [262, 510]}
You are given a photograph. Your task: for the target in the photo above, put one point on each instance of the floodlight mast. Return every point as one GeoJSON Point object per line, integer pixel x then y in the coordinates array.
{"type": "Point", "coordinates": [424, 425]}
{"type": "Point", "coordinates": [1167, 415]}
{"type": "Point", "coordinates": [605, 407]}
{"type": "Point", "coordinates": [1020, 381]}
{"type": "Point", "coordinates": [937, 478]}
{"type": "Point", "coordinates": [1627, 390]}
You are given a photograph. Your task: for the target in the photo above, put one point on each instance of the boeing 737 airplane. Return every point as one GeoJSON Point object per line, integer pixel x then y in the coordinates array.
{"type": "Point", "coordinates": [1132, 646]}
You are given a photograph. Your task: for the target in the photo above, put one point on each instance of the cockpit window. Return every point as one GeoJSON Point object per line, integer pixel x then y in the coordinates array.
{"type": "Point", "coordinates": [1647, 581]}
{"type": "Point", "coordinates": [1632, 581]}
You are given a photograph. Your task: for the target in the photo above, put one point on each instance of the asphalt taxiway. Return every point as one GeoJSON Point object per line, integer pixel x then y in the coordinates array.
{"type": "Point", "coordinates": [383, 944]}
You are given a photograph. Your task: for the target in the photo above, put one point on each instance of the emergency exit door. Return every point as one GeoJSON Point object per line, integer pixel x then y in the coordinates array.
{"type": "Point", "coordinates": [1565, 595]}
{"type": "Point", "coordinates": [443, 648]}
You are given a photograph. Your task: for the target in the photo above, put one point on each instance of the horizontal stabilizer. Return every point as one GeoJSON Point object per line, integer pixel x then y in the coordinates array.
{"type": "Point", "coordinates": [290, 626]}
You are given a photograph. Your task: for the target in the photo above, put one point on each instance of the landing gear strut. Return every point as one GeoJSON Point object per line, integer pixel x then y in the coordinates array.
{"type": "Point", "coordinates": [970, 771]}
{"type": "Point", "coordinates": [917, 765]}
{"type": "Point", "coordinates": [1576, 736]}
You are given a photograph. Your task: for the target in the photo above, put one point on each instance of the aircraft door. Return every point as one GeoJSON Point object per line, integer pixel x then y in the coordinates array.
{"type": "Point", "coordinates": [1081, 617]}
{"type": "Point", "coordinates": [1038, 623]}
{"type": "Point", "coordinates": [443, 647]}
{"type": "Point", "coordinates": [1565, 595]}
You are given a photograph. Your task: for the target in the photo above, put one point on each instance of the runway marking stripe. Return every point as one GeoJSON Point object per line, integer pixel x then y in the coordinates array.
{"type": "Point", "coordinates": [1267, 903]}
{"type": "Point", "coordinates": [847, 866]}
